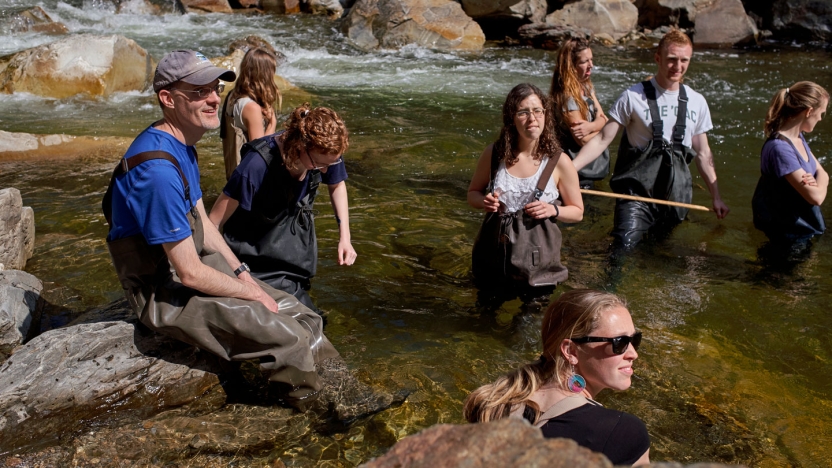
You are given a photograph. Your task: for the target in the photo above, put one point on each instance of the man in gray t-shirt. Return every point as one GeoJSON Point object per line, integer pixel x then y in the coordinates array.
{"type": "Point", "coordinates": [633, 219]}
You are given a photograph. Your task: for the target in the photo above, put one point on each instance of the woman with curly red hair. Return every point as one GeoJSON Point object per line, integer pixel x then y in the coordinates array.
{"type": "Point", "coordinates": [265, 210]}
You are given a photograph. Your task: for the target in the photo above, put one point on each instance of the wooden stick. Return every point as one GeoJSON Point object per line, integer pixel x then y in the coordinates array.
{"type": "Point", "coordinates": [646, 200]}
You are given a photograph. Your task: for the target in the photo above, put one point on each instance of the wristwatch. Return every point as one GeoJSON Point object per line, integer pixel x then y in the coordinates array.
{"type": "Point", "coordinates": [240, 269]}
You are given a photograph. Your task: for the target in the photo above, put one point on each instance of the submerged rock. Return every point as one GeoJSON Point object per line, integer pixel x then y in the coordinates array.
{"type": "Point", "coordinates": [20, 309]}
{"type": "Point", "coordinates": [27, 146]}
{"type": "Point", "coordinates": [614, 17]}
{"type": "Point", "coordinates": [34, 19]}
{"type": "Point", "coordinates": [507, 442]}
{"type": "Point", "coordinates": [86, 63]}
{"type": "Point", "coordinates": [724, 24]}
{"type": "Point", "coordinates": [17, 230]}
{"type": "Point", "coordinates": [390, 24]}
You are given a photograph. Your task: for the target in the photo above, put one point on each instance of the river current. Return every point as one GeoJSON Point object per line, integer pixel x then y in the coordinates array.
{"type": "Point", "coordinates": [736, 360]}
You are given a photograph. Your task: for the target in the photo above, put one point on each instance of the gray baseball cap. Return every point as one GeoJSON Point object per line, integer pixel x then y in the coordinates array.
{"type": "Point", "coordinates": [189, 66]}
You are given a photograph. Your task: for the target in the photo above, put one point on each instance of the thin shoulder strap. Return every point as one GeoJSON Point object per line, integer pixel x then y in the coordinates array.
{"type": "Point", "coordinates": [656, 118]}
{"type": "Point", "coordinates": [563, 406]}
{"type": "Point", "coordinates": [129, 163]}
{"type": "Point", "coordinates": [681, 114]}
{"type": "Point", "coordinates": [544, 177]}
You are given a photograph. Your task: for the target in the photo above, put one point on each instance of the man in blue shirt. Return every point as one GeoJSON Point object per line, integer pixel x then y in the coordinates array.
{"type": "Point", "coordinates": [177, 271]}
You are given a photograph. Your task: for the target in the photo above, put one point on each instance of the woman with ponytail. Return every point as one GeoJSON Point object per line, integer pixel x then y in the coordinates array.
{"type": "Point", "coordinates": [248, 111]}
{"type": "Point", "coordinates": [265, 210]}
{"type": "Point", "coordinates": [578, 114]}
{"type": "Point", "coordinates": [589, 344]}
{"type": "Point", "coordinates": [793, 184]}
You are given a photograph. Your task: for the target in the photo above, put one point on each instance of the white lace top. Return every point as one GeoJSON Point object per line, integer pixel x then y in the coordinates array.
{"type": "Point", "coordinates": [517, 192]}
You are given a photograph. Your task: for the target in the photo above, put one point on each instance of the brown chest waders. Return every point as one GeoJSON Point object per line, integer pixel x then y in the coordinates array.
{"type": "Point", "coordinates": [288, 344]}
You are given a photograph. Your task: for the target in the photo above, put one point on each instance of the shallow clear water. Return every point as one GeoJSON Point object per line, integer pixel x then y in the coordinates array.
{"type": "Point", "coordinates": [736, 361]}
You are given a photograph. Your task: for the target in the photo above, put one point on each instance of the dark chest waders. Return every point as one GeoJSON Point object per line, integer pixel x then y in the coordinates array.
{"type": "Point", "coordinates": [597, 169]}
{"type": "Point", "coordinates": [660, 170]}
{"type": "Point", "coordinates": [288, 344]}
{"type": "Point", "coordinates": [517, 248]}
{"type": "Point", "coordinates": [277, 237]}
{"type": "Point", "coordinates": [781, 212]}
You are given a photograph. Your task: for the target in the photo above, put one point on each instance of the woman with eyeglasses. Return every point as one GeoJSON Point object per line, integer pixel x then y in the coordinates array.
{"type": "Point", "coordinates": [793, 184]}
{"type": "Point", "coordinates": [265, 210]}
{"type": "Point", "coordinates": [504, 185]}
{"type": "Point", "coordinates": [589, 344]}
{"type": "Point", "coordinates": [248, 110]}
{"type": "Point", "coordinates": [578, 113]}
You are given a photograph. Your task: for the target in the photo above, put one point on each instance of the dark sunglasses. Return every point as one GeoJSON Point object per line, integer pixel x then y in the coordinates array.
{"type": "Point", "coordinates": [619, 343]}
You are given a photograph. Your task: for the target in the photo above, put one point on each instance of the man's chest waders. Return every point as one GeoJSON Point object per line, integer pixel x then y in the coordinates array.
{"type": "Point", "coordinates": [288, 343]}
{"type": "Point", "coordinates": [781, 212]}
{"type": "Point", "coordinates": [277, 237]}
{"type": "Point", "coordinates": [661, 170]}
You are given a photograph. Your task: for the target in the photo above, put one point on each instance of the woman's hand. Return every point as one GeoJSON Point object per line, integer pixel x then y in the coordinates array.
{"type": "Point", "coordinates": [809, 180]}
{"type": "Point", "coordinates": [491, 202]}
{"type": "Point", "coordinates": [346, 254]}
{"type": "Point", "coordinates": [540, 210]}
{"type": "Point", "coordinates": [581, 129]}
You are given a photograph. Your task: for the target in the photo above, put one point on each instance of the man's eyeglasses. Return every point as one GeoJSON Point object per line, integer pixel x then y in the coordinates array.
{"type": "Point", "coordinates": [205, 91]}
{"type": "Point", "coordinates": [526, 113]}
{"type": "Point", "coordinates": [619, 343]}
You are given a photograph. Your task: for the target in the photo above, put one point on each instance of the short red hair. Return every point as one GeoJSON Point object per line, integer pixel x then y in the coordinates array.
{"type": "Point", "coordinates": [675, 37]}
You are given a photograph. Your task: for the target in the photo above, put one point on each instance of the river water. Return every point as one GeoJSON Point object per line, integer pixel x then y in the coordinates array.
{"type": "Point", "coordinates": [736, 361]}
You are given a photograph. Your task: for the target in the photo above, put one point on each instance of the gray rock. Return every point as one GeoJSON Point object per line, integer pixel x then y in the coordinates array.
{"type": "Point", "coordinates": [29, 19]}
{"type": "Point", "coordinates": [69, 377]}
{"type": "Point", "coordinates": [329, 8]}
{"type": "Point", "coordinates": [724, 24]}
{"type": "Point", "coordinates": [655, 13]}
{"type": "Point", "coordinates": [390, 24]}
{"type": "Point", "coordinates": [20, 309]}
{"type": "Point", "coordinates": [507, 442]}
{"type": "Point", "coordinates": [17, 230]}
{"type": "Point", "coordinates": [614, 17]}
{"type": "Point", "coordinates": [802, 19]}
{"type": "Point", "coordinates": [549, 36]}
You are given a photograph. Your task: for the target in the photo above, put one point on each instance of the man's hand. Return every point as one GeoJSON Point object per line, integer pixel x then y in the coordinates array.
{"type": "Point", "coordinates": [261, 296]}
{"type": "Point", "coordinates": [346, 254]}
{"type": "Point", "coordinates": [720, 209]}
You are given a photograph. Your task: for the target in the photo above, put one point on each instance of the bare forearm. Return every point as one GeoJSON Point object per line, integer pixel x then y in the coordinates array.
{"type": "Point", "coordinates": [705, 164]}
{"type": "Point", "coordinates": [592, 149]}
{"type": "Point", "coordinates": [340, 205]}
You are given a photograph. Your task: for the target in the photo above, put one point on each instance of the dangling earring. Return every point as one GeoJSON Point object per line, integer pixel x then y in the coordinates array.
{"type": "Point", "coordinates": [576, 382]}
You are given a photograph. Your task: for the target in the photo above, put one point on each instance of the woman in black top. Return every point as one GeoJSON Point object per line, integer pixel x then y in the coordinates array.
{"type": "Point", "coordinates": [589, 344]}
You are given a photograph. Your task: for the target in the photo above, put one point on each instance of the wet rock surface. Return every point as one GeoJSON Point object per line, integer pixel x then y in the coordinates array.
{"type": "Point", "coordinates": [210, 6]}
{"type": "Point", "coordinates": [17, 230]}
{"type": "Point", "coordinates": [20, 309]}
{"type": "Point", "coordinates": [656, 13]}
{"type": "Point", "coordinates": [724, 24]}
{"type": "Point", "coordinates": [507, 442]}
{"type": "Point", "coordinates": [34, 19]}
{"type": "Point", "coordinates": [27, 146]}
{"type": "Point", "coordinates": [391, 24]}
{"type": "Point", "coordinates": [81, 64]}
{"type": "Point", "coordinates": [803, 19]}
{"type": "Point", "coordinates": [613, 17]}
{"type": "Point", "coordinates": [549, 36]}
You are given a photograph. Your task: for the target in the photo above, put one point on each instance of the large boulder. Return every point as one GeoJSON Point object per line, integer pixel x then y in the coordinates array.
{"type": "Point", "coordinates": [803, 19]}
{"type": "Point", "coordinates": [329, 8]}
{"type": "Point", "coordinates": [507, 442]}
{"type": "Point", "coordinates": [29, 19]}
{"type": "Point", "coordinates": [99, 371]}
{"type": "Point", "coordinates": [614, 17]}
{"type": "Point", "coordinates": [17, 230]}
{"type": "Point", "coordinates": [210, 6]}
{"type": "Point", "coordinates": [501, 18]}
{"type": "Point", "coordinates": [549, 36]}
{"type": "Point", "coordinates": [655, 13]}
{"type": "Point", "coordinates": [20, 309]}
{"type": "Point", "coordinates": [86, 63]}
{"type": "Point", "coordinates": [724, 24]}
{"type": "Point", "coordinates": [390, 24]}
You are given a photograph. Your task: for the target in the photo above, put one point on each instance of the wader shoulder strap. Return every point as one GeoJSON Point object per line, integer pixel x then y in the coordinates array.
{"type": "Point", "coordinates": [658, 126]}
{"type": "Point", "coordinates": [223, 117]}
{"type": "Point", "coordinates": [261, 146]}
{"type": "Point", "coordinates": [563, 406]}
{"type": "Point", "coordinates": [544, 177]}
{"type": "Point", "coordinates": [129, 163]}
